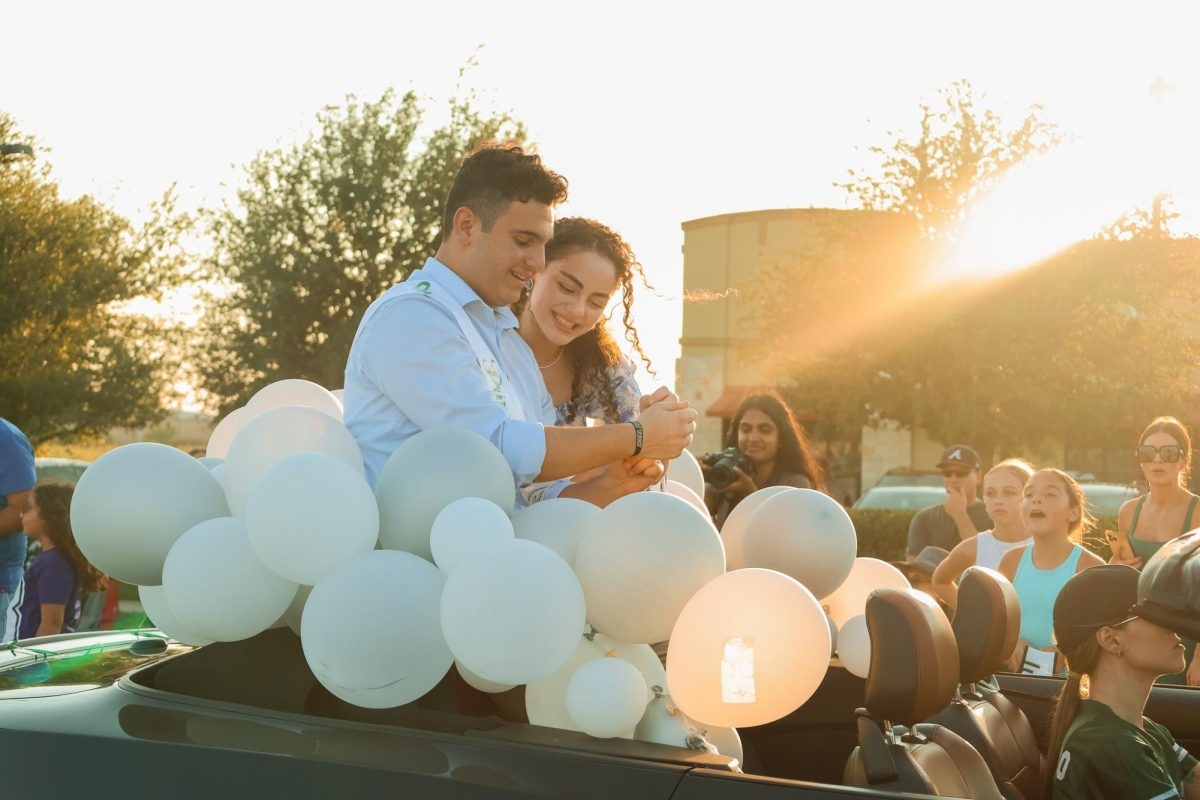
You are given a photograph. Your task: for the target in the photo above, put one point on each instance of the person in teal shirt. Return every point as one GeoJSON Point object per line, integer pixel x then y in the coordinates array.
{"type": "Point", "coordinates": [1101, 745]}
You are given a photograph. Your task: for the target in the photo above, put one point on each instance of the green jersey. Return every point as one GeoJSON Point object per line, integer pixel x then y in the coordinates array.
{"type": "Point", "coordinates": [1103, 756]}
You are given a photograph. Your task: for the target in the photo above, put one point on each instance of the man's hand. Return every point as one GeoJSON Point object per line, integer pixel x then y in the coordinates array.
{"type": "Point", "coordinates": [956, 503]}
{"type": "Point", "coordinates": [667, 426]}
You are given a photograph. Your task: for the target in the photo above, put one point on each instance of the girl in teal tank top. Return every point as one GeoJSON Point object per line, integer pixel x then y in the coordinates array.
{"type": "Point", "coordinates": [1055, 515]}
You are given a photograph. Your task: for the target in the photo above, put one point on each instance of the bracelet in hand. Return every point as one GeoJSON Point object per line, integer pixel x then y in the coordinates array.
{"type": "Point", "coordinates": [638, 437]}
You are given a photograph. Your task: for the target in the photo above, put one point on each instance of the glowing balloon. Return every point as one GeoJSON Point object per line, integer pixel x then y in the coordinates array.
{"type": "Point", "coordinates": [154, 604]}
{"type": "Point", "coordinates": [211, 462]}
{"type": "Point", "coordinates": [734, 529]}
{"type": "Point", "coordinates": [223, 434]}
{"type": "Point", "coordinates": [686, 470]}
{"type": "Point", "coordinates": [854, 646]}
{"type": "Point", "coordinates": [277, 434]}
{"type": "Point", "coordinates": [308, 513]}
{"type": "Point", "coordinates": [681, 491]}
{"type": "Point", "coordinates": [557, 523]}
{"type": "Point", "coordinates": [803, 533]}
{"type": "Point", "coordinates": [134, 502]}
{"type": "Point", "coordinates": [833, 632]}
{"type": "Point", "coordinates": [866, 575]}
{"type": "Point", "coordinates": [340, 395]}
{"type": "Point", "coordinates": [749, 648]}
{"type": "Point", "coordinates": [216, 585]}
{"type": "Point", "coordinates": [466, 527]}
{"type": "Point", "coordinates": [639, 562]}
{"type": "Point", "coordinates": [606, 697]}
{"type": "Point", "coordinates": [429, 472]}
{"type": "Point", "coordinates": [292, 392]}
{"type": "Point", "coordinates": [513, 612]}
{"type": "Point", "coordinates": [370, 630]}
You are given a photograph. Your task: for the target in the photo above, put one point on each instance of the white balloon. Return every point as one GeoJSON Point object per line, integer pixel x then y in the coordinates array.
{"type": "Point", "coordinates": [308, 513]}
{"type": "Point", "coordinates": [154, 604]}
{"type": "Point", "coordinates": [513, 613]}
{"type": "Point", "coordinates": [370, 630]}
{"type": "Point", "coordinates": [429, 472]}
{"type": "Point", "coordinates": [866, 575]}
{"type": "Point", "coordinates": [340, 395]}
{"type": "Point", "coordinates": [606, 697]}
{"type": "Point", "coordinates": [295, 611]}
{"type": "Point", "coordinates": [733, 531]}
{"type": "Point", "coordinates": [218, 472]}
{"type": "Point", "coordinates": [292, 392]}
{"type": "Point", "coordinates": [133, 502]}
{"type": "Point", "coordinates": [223, 434]}
{"type": "Point", "coordinates": [833, 632]}
{"type": "Point", "coordinates": [803, 533]}
{"type": "Point", "coordinates": [684, 493]}
{"type": "Point", "coordinates": [211, 462]}
{"type": "Point", "coordinates": [466, 527]}
{"type": "Point", "coordinates": [854, 646]}
{"type": "Point", "coordinates": [639, 562]}
{"type": "Point", "coordinates": [482, 684]}
{"type": "Point", "coordinates": [686, 470]}
{"type": "Point", "coordinates": [664, 723]}
{"type": "Point", "coordinates": [557, 523]}
{"type": "Point", "coordinates": [641, 656]}
{"type": "Point", "coordinates": [277, 434]}
{"type": "Point", "coordinates": [546, 699]}
{"type": "Point", "coordinates": [216, 585]}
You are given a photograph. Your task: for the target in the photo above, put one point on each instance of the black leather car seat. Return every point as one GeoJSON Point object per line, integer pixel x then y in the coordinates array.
{"type": "Point", "coordinates": [913, 673]}
{"type": "Point", "coordinates": [986, 626]}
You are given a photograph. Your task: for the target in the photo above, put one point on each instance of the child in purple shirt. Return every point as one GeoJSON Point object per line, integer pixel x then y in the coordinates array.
{"type": "Point", "coordinates": [56, 579]}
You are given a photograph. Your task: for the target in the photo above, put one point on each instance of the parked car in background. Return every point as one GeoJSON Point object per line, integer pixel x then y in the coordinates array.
{"type": "Point", "coordinates": [59, 470]}
{"type": "Point", "coordinates": [901, 498]}
{"type": "Point", "coordinates": [1105, 499]}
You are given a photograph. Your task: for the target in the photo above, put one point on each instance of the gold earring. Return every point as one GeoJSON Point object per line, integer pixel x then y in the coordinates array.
{"type": "Point", "coordinates": [1085, 686]}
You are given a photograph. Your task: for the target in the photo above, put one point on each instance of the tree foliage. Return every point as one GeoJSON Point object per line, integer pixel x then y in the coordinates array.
{"type": "Point", "coordinates": [319, 230]}
{"type": "Point", "coordinates": [1092, 341]}
{"type": "Point", "coordinates": [73, 359]}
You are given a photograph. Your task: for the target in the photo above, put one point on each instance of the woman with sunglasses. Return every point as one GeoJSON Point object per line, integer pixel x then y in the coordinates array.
{"type": "Point", "coordinates": [1053, 510]}
{"type": "Point", "coordinates": [1164, 512]}
{"type": "Point", "coordinates": [1101, 744]}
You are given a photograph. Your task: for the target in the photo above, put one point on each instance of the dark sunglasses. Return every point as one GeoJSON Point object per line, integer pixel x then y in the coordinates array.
{"type": "Point", "coordinates": [955, 473]}
{"type": "Point", "coordinates": [1169, 453]}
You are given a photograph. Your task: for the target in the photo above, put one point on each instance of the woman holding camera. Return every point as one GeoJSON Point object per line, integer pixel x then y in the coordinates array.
{"type": "Point", "coordinates": [765, 447]}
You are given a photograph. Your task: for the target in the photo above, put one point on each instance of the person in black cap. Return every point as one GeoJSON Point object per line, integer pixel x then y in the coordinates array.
{"type": "Point", "coordinates": [1101, 745]}
{"type": "Point", "coordinates": [961, 515]}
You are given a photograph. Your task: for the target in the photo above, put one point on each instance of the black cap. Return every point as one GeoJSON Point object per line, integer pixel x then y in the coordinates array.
{"type": "Point", "coordinates": [1091, 599]}
{"type": "Point", "coordinates": [960, 455]}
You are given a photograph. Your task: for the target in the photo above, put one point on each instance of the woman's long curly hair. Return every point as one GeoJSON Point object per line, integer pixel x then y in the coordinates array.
{"type": "Point", "coordinates": [594, 354]}
{"type": "Point", "coordinates": [795, 454]}
{"type": "Point", "coordinates": [54, 507]}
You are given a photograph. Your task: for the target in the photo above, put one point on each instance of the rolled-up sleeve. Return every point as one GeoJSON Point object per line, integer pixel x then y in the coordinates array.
{"type": "Point", "coordinates": [414, 353]}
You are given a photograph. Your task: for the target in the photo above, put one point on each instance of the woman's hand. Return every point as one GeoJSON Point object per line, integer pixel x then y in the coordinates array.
{"type": "Point", "coordinates": [1193, 672]}
{"type": "Point", "coordinates": [741, 484]}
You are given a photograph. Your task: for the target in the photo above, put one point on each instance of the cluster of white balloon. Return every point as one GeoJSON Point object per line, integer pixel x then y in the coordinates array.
{"type": "Point", "coordinates": [388, 589]}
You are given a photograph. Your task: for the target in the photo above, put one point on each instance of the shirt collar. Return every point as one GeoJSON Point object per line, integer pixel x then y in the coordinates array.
{"type": "Point", "coordinates": [463, 294]}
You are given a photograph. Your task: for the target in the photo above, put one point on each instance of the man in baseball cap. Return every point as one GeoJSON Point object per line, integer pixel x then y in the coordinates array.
{"type": "Point", "coordinates": [961, 515]}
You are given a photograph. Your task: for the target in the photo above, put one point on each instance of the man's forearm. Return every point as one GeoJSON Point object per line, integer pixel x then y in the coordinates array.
{"type": "Point", "coordinates": [572, 450]}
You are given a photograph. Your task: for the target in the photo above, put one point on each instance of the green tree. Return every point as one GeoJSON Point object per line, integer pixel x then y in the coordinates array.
{"type": "Point", "coordinates": [318, 231]}
{"type": "Point", "coordinates": [1089, 342]}
{"type": "Point", "coordinates": [74, 359]}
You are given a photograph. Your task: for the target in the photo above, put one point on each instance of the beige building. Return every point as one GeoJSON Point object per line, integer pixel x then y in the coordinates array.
{"type": "Point", "coordinates": [721, 359]}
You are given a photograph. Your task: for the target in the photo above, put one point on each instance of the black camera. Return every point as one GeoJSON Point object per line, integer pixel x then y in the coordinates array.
{"type": "Point", "coordinates": [720, 466]}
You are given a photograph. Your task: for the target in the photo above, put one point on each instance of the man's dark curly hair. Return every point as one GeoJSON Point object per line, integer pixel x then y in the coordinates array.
{"type": "Point", "coordinates": [496, 174]}
{"type": "Point", "coordinates": [596, 353]}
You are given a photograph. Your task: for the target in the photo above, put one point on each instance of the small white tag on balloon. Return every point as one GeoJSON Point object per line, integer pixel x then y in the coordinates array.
{"type": "Point", "coordinates": [737, 671]}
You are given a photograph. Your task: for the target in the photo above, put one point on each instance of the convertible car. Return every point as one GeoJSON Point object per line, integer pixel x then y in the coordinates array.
{"type": "Point", "coordinates": [134, 714]}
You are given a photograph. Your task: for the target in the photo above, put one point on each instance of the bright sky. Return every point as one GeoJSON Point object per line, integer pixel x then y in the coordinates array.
{"type": "Point", "coordinates": [657, 112]}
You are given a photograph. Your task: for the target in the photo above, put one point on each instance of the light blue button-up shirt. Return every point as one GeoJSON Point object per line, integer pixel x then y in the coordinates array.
{"type": "Point", "coordinates": [411, 368]}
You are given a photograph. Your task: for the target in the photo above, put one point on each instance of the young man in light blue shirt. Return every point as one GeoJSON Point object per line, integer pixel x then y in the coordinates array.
{"type": "Point", "coordinates": [17, 477]}
{"type": "Point", "coordinates": [442, 348]}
